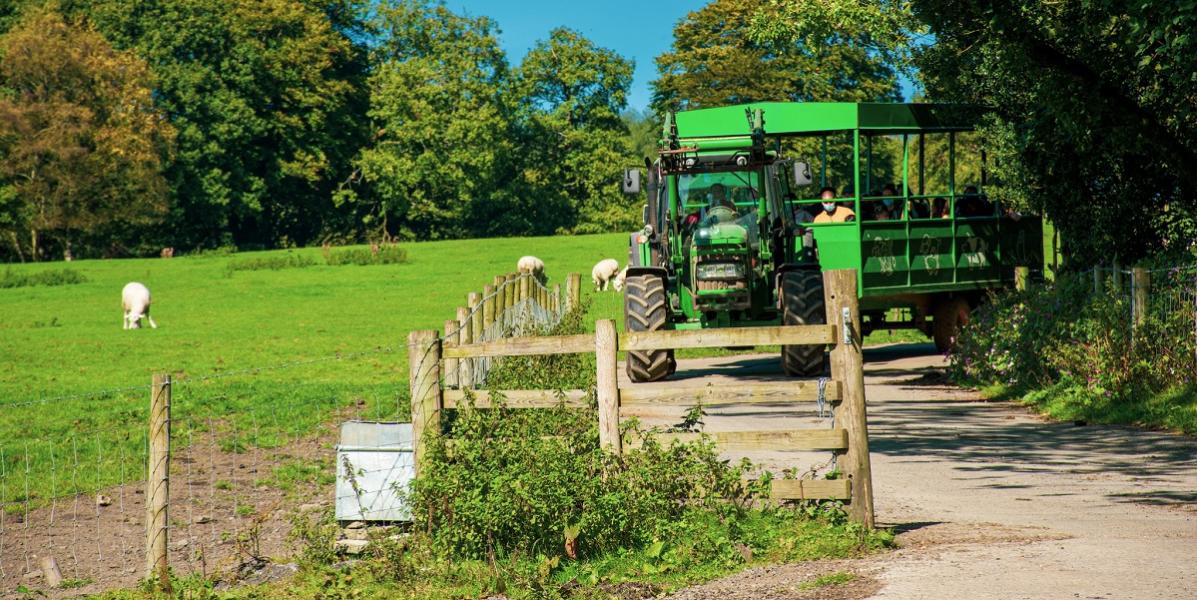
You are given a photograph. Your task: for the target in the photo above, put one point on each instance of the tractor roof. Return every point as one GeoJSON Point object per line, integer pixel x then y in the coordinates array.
{"type": "Point", "coordinates": [814, 118]}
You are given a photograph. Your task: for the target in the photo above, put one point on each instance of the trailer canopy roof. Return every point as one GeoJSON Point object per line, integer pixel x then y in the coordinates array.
{"type": "Point", "coordinates": [814, 118]}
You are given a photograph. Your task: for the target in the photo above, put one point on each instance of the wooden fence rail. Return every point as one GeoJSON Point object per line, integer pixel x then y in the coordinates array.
{"type": "Point", "coordinates": [432, 357]}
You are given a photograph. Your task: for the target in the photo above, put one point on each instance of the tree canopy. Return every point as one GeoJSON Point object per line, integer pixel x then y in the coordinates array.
{"type": "Point", "coordinates": [82, 143]}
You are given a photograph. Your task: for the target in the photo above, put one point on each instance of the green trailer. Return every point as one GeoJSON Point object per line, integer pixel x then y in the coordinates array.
{"type": "Point", "coordinates": [733, 237]}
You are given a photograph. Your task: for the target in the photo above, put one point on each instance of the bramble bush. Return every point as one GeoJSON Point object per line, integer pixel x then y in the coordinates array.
{"type": "Point", "coordinates": [1074, 352]}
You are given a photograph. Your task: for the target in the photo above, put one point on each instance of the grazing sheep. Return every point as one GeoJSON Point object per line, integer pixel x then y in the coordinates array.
{"type": "Point", "coordinates": [533, 265]}
{"type": "Point", "coordinates": [619, 279]}
{"type": "Point", "coordinates": [167, 253]}
{"type": "Point", "coordinates": [135, 300]}
{"type": "Point", "coordinates": [603, 272]}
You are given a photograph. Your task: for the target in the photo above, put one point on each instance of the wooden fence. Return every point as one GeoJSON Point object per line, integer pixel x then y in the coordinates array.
{"type": "Point", "coordinates": [433, 361]}
{"type": "Point", "coordinates": [500, 310]}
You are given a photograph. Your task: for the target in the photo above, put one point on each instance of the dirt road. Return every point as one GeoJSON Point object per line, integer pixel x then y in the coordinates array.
{"type": "Point", "coordinates": [991, 501]}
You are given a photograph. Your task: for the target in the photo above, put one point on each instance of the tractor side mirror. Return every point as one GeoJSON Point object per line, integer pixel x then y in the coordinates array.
{"type": "Point", "coordinates": [631, 181]}
{"type": "Point", "coordinates": [644, 215]}
{"type": "Point", "coordinates": [802, 174]}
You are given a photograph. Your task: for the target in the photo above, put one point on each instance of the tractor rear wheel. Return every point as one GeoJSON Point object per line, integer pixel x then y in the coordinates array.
{"type": "Point", "coordinates": [803, 304]}
{"type": "Point", "coordinates": [951, 315]}
{"type": "Point", "coordinates": [646, 309]}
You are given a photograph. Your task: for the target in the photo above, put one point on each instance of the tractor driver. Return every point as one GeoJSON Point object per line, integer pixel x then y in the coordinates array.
{"type": "Point", "coordinates": [720, 208]}
{"type": "Point", "coordinates": [833, 213]}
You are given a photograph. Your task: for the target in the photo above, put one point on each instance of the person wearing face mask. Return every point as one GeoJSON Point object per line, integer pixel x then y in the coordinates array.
{"type": "Point", "coordinates": [832, 213]}
{"type": "Point", "coordinates": [889, 208]}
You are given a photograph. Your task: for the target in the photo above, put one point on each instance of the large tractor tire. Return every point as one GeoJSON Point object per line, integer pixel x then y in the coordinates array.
{"type": "Point", "coordinates": [951, 315]}
{"type": "Point", "coordinates": [803, 304]}
{"type": "Point", "coordinates": [647, 309]}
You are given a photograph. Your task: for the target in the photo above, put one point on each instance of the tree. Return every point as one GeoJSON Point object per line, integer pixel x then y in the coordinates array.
{"type": "Point", "coordinates": [443, 143]}
{"type": "Point", "coordinates": [1092, 106]}
{"type": "Point", "coordinates": [83, 145]}
{"type": "Point", "coordinates": [268, 97]}
{"type": "Point", "coordinates": [718, 57]}
{"type": "Point", "coordinates": [571, 94]}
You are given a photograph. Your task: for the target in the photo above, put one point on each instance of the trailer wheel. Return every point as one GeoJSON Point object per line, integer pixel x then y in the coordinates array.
{"type": "Point", "coordinates": [950, 316]}
{"type": "Point", "coordinates": [802, 304]}
{"type": "Point", "coordinates": [645, 309]}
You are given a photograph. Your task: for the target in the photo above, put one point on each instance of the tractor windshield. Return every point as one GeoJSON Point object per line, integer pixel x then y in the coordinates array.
{"type": "Point", "coordinates": [734, 189]}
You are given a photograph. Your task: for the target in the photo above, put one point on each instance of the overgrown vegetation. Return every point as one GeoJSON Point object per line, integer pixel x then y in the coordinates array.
{"type": "Point", "coordinates": [16, 279]}
{"type": "Point", "coordinates": [273, 262]}
{"type": "Point", "coordinates": [1074, 354]}
{"type": "Point", "coordinates": [385, 254]}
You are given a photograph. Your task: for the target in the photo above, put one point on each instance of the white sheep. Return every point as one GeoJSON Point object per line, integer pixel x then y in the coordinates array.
{"type": "Point", "coordinates": [602, 273]}
{"type": "Point", "coordinates": [619, 279]}
{"type": "Point", "coordinates": [532, 265]}
{"type": "Point", "coordinates": [135, 300]}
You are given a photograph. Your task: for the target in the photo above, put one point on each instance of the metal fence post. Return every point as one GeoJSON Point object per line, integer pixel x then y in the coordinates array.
{"type": "Point", "coordinates": [848, 368]}
{"type": "Point", "coordinates": [157, 498]}
{"type": "Point", "coordinates": [605, 347]}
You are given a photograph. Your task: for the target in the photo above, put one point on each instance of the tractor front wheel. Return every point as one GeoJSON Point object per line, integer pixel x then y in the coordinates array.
{"type": "Point", "coordinates": [803, 304]}
{"type": "Point", "coordinates": [646, 309]}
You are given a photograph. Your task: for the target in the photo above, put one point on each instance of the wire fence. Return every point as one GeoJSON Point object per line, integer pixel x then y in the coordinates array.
{"type": "Point", "coordinates": [1159, 310]}
{"type": "Point", "coordinates": [249, 448]}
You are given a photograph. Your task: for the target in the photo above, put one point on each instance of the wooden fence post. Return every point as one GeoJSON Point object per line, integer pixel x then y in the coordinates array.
{"type": "Point", "coordinates": [525, 289]}
{"type": "Point", "coordinates": [424, 374]}
{"type": "Point", "coordinates": [1096, 279]}
{"type": "Point", "coordinates": [1022, 277]}
{"type": "Point", "coordinates": [157, 495]}
{"type": "Point", "coordinates": [573, 289]}
{"type": "Point", "coordinates": [452, 338]}
{"type": "Point", "coordinates": [509, 292]}
{"type": "Point", "coordinates": [556, 301]}
{"type": "Point", "coordinates": [500, 298]}
{"type": "Point", "coordinates": [488, 306]}
{"type": "Point", "coordinates": [465, 377]}
{"type": "Point", "coordinates": [1117, 275]}
{"type": "Point", "coordinates": [1141, 281]}
{"type": "Point", "coordinates": [605, 345]}
{"type": "Point", "coordinates": [848, 368]}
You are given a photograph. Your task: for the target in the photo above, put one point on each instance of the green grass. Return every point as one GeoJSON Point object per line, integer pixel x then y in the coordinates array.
{"type": "Point", "coordinates": [74, 386]}
{"type": "Point", "coordinates": [831, 579]}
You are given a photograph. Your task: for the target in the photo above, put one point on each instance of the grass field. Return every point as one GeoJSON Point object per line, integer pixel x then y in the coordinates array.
{"type": "Point", "coordinates": [259, 354]}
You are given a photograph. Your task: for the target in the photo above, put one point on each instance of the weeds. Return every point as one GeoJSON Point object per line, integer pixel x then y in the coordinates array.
{"type": "Point", "coordinates": [1074, 354]}
{"type": "Point", "coordinates": [385, 254]}
{"type": "Point", "coordinates": [13, 279]}
{"type": "Point", "coordinates": [271, 263]}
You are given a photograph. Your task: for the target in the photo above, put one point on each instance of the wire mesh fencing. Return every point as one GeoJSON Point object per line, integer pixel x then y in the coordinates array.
{"type": "Point", "coordinates": [1159, 310]}
{"type": "Point", "coordinates": [249, 448]}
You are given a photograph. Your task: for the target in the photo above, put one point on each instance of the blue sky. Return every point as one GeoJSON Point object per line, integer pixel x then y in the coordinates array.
{"type": "Point", "coordinates": [638, 30]}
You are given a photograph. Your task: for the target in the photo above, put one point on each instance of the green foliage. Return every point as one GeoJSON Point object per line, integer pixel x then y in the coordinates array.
{"type": "Point", "coordinates": [831, 579]}
{"type": "Point", "coordinates": [272, 262]}
{"type": "Point", "coordinates": [16, 279]}
{"type": "Point", "coordinates": [1073, 352]}
{"type": "Point", "coordinates": [571, 93]}
{"type": "Point", "coordinates": [386, 254]}
{"type": "Point", "coordinates": [722, 54]}
{"type": "Point", "coordinates": [1093, 116]}
{"type": "Point", "coordinates": [268, 101]}
{"type": "Point", "coordinates": [83, 145]}
{"type": "Point", "coordinates": [443, 129]}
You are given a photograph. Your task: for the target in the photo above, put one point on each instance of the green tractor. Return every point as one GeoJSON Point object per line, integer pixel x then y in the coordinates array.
{"type": "Point", "coordinates": [732, 235]}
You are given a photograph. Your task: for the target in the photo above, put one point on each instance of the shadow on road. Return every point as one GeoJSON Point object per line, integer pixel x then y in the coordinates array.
{"type": "Point", "coordinates": [908, 419]}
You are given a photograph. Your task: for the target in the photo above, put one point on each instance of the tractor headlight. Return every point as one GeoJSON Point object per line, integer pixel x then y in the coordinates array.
{"type": "Point", "coordinates": [721, 271]}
